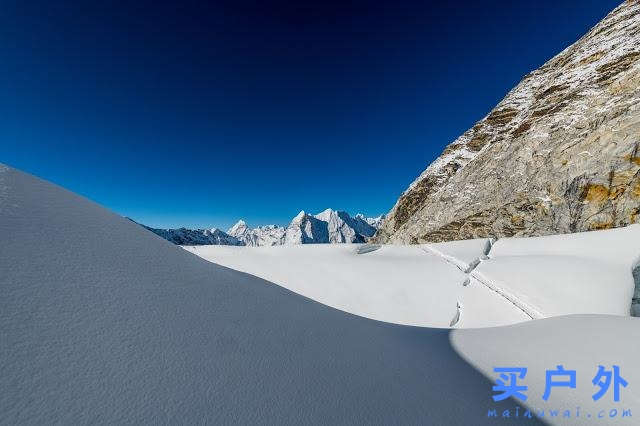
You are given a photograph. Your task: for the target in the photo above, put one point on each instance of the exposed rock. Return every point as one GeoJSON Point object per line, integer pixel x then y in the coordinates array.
{"type": "Point", "coordinates": [306, 229]}
{"type": "Point", "coordinates": [560, 153]}
{"type": "Point", "coordinates": [267, 235]}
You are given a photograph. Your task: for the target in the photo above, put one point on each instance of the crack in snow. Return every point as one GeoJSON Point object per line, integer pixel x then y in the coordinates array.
{"type": "Point", "coordinates": [515, 300]}
{"type": "Point", "coordinates": [470, 272]}
{"type": "Point", "coordinates": [447, 258]}
{"type": "Point", "coordinates": [367, 248]}
{"type": "Point", "coordinates": [456, 317]}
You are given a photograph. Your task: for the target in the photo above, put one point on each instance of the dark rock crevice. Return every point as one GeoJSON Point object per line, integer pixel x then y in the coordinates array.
{"type": "Point", "coordinates": [635, 303]}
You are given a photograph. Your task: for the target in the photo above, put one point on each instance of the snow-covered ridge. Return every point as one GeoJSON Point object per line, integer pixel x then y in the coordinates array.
{"type": "Point", "coordinates": [328, 226]}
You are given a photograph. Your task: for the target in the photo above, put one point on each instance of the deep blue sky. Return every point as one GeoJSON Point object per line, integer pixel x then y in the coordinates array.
{"type": "Point", "coordinates": [200, 113]}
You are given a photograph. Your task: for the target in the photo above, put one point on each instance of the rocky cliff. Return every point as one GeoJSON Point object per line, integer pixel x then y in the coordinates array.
{"type": "Point", "coordinates": [560, 153]}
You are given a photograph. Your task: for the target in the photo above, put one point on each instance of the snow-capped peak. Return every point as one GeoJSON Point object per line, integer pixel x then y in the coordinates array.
{"type": "Point", "coordinates": [239, 224]}
{"type": "Point", "coordinates": [268, 235]}
{"type": "Point", "coordinates": [299, 216]}
{"type": "Point", "coordinates": [328, 226]}
{"type": "Point", "coordinates": [325, 214]}
{"type": "Point", "coordinates": [240, 228]}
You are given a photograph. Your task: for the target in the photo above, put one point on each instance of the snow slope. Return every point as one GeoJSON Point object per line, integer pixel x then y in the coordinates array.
{"type": "Point", "coordinates": [577, 342]}
{"type": "Point", "coordinates": [400, 284]}
{"type": "Point", "coordinates": [465, 254]}
{"type": "Point", "coordinates": [588, 272]}
{"type": "Point", "coordinates": [469, 283]}
{"type": "Point", "coordinates": [107, 323]}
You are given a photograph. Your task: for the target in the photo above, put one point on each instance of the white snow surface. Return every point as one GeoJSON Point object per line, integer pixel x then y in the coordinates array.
{"type": "Point", "coordinates": [107, 323]}
{"type": "Point", "coordinates": [587, 272]}
{"type": "Point", "coordinates": [400, 284]}
{"type": "Point", "coordinates": [577, 342]}
{"type": "Point", "coordinates": [473, 281]}
{"type": "Point", "coordinates": [464, 253]}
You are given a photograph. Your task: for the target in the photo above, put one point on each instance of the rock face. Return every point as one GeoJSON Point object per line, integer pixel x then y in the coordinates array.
{"type": "Point", "coordinates": [306, 229]}
{"type": "Point", "coordinates": [343, 228]}
{"type": "Point", "coordinates": [559, 154]}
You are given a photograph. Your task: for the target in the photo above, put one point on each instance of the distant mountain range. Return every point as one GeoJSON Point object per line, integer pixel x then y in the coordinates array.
{"type": "Point", "coordinates": [327, 227]}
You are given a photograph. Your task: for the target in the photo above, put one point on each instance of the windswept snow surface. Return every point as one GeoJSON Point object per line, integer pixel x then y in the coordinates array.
{"type": "Point", "coordinates": [587, 272]}
{"type": "Point", "coordinates": [400, 284]}
{"type": "Point", "coordinates": [103, 322]}
{"type": "Point", "coordinates": [511, 281]}
{"type": "Point", "coordinates": [578, 342]}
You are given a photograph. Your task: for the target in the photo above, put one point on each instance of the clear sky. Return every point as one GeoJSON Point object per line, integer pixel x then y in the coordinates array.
{"type": "Point", "coordinates": [200, 113]}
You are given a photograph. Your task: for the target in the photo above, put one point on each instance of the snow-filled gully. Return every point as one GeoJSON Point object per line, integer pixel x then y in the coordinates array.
{"type": "Point", "coordinates": [470, 272]}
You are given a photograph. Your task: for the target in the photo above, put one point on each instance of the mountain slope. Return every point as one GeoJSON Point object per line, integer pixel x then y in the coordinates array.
{"type": "Point", "coordinates": [268, 235]}
{"type": "Point", "coordinates": [342, 228]}
{"type": "Point", "coordinates": [560, 153]}
{"type": "Point", "coordinates": [306, 229]}
{"type": "Point", "coordinates": [184, 236]}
